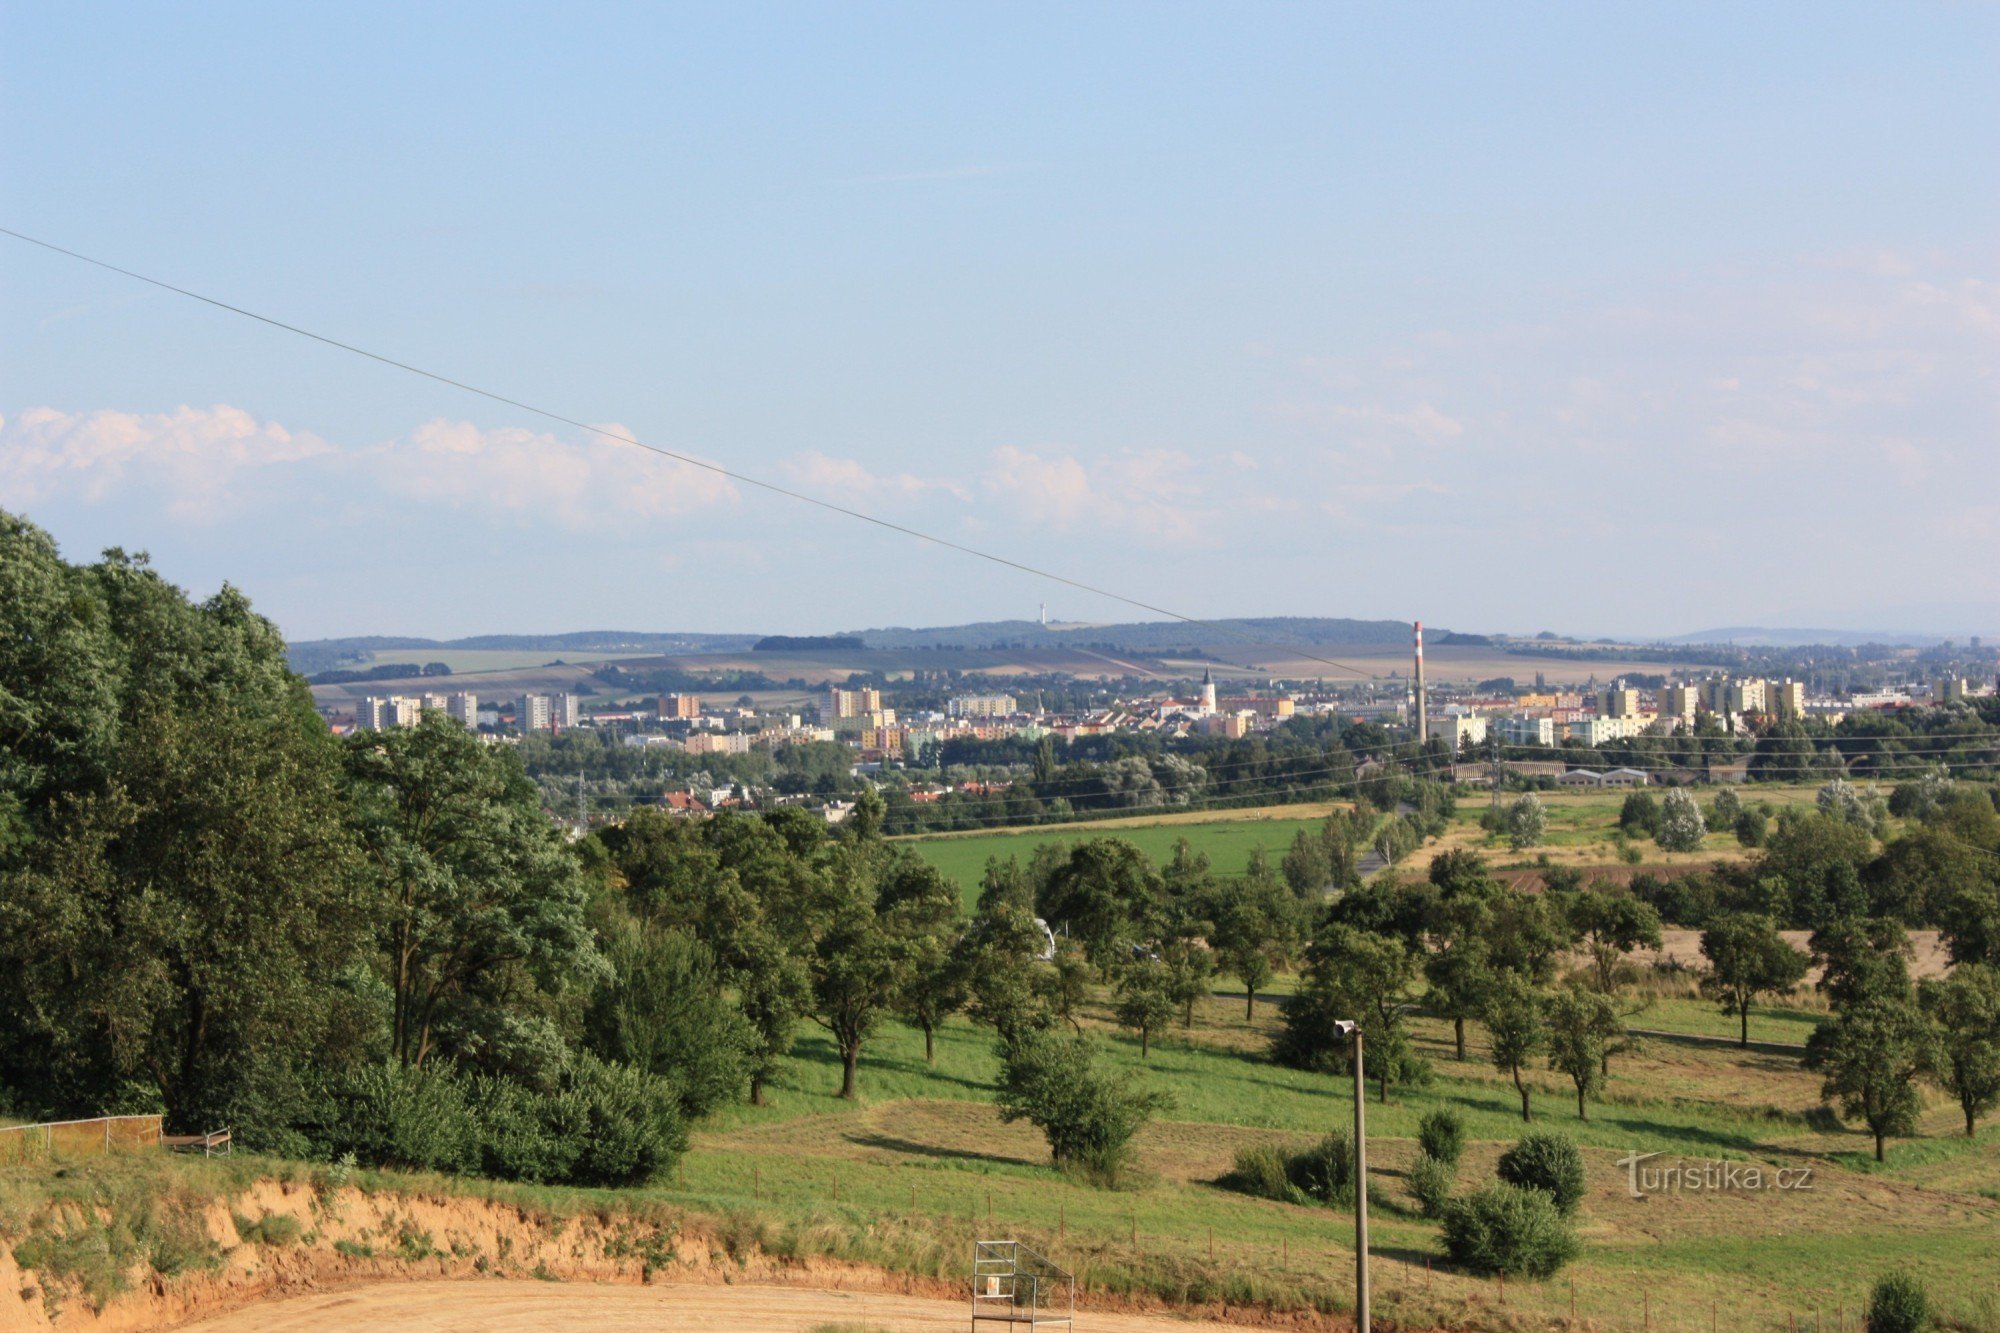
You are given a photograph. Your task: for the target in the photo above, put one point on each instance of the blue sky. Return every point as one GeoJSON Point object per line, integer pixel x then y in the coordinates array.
{"type": "Point", "coordinates": [1626, 318]}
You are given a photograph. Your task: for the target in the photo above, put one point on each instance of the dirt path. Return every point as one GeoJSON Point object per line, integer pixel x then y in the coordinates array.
{"type": "Point", "coordinates": [497, 1306]}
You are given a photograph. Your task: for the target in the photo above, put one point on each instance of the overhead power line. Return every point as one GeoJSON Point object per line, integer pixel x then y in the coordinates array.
{"type": "Point", "coordinates": [690, 460]}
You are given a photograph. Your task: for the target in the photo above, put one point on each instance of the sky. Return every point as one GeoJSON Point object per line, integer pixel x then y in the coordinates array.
{"type": "Point", "coordinates": [1631, 319]}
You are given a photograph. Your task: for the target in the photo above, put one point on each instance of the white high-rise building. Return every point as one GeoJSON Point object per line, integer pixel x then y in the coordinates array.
{"type": "Point", "coordinates": [464, 707]}
{"type": "Point", "coordinates": [566, 711]}
{"type": "Point", "coordinates": [534, 713]}
{"type": "Point", "coordinates": [372, 713]}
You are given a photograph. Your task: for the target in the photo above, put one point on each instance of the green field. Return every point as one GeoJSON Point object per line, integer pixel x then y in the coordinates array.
{"type": "Point", "coordinates": [1228, 843]}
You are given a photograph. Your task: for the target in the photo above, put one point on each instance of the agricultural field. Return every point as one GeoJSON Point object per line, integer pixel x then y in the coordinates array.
{"type": "Point", "coordinates": [1228, 839]}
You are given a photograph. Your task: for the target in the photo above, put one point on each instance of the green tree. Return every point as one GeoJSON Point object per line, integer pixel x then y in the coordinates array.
{"type": "Point", "coordinates": [1862, 957]}
{"type": "Point", "coordinates": [1145, 1001]}
{"type": "Point", "coordinates": [1872, 1055]}
{"type": "Point", "coordinates": [1581, 1025]}
{"type": "Point", "coordinates": [1747, 957]}
{"type": "Point", "coordinates": [1053, 1081]}
{"type": "Point", "coordinates": [1612, 924]}
{"type": "Point", "coordinates": [662, 1011]}
{"type": "Point", "coordinates": [1108, 896]}
{"type": "Point", "coordinates": [178, 897]}
{"type": "Point", "coordinates": [1681, 827]}
{"type": "Point", "coordinates": [1964, 1008]}
{"type": "Point", "coordinates": [1256, 931]}
{"type": "Point", "coordinates": [1640, 814]}
{"type": "Point", "coordinates": [1516, 1029]}
{"type": "Point", "coordinates": [1005, 976]}
{"type": "Point", "coordinates": [480, 889]}
{"type": "Point", "coordinates": [1190, 964]}
{"type": "Point", "coordinates": [1527, 822]}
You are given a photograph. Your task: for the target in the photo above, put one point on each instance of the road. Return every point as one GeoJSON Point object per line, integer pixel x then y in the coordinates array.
{"type": "Point", "coordinates": [489, 1305]}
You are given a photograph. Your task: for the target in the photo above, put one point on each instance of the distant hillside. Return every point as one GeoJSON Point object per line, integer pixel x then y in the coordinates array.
{"type": "Point", "coordinates": [316, 655]}
{"type": "Point", "coordinates": [1756, 636]}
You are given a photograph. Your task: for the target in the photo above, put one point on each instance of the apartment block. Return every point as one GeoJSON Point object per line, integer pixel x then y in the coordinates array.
{"type": "Point", "coordinates": [465, 708]}
{"type": "Point", "coordinates": [850, 703]}
{"type": "Point", "coordinates": [679, 707]}
{"type": "Point", "coordinates": [536, 713]}
{"type": "Point", "coordinates": [983, 706]}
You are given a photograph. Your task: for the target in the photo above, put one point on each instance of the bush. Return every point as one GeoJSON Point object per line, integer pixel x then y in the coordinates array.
{"type": "Point", "coordinates": [1898, 1304]}
{"type": "Point", "coordinates": [1431, 1179]}
{"type": "Point", "coordinates": [602, 1124]}
{"type": "Point", "coordinates": [1548, 1162]}
{"type": "Point", "coordinates": [1324, 1173]}
{"type": "Point", "coordinates": [1640, 814]}
{"type": "Point", "coordinates": [1087, 1115]}
{"type": "Point", "coordinates": [525, 1135]}
{"type": "Point", "coordinates": [1507, 1229]}
{"type": "Point", "coordinates": [1441, 1134]}
{"type": "Point", "coordinates": [628, 1124]}
{"type": "Point", "coordinates": [1261, 1171]}
{"type": "Point", "coordinates": [1751, 826]}
{"type": "Point", "coordinates": [392, 1114]}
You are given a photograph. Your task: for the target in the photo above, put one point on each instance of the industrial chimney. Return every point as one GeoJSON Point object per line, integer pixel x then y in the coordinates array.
{"type": "Point", "coordinates": [1423, 698]}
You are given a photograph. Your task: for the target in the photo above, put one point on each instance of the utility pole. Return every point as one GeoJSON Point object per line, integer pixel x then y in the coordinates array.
{"type": "Point", "coordinates": [1495, 747]}
{"type": "Point", "coordinates": [1360, 1191]}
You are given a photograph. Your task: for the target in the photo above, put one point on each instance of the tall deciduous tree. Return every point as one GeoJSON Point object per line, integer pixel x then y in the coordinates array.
{"type": "Point", "coordinates": [1517, 1030]}
{"type": "Point", "coordinates": [1965, 1009]}
{"type": "Point", "coordinates": [177, 900]}
{"type": "Point", "coordinates": [1872, 1054]}
{"type": "Point", "coordinates": [478, 885]}
{"type": "Point", "coordinates": [1581, 1024]}
{"type": "Point", "coordinates": [1747, 957]}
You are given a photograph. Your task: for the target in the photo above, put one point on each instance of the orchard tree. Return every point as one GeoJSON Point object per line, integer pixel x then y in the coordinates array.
{"type": "Point", "coordinates": [1747, 957]}
{"type": "Point", "coordinates": [1862, 958]}
{"type": "Point", "coordinates": [1681, 827]}
{"type": "Point", "coordinates": [1582, 1025]}
{"type": "Point", "coordinates": [1256, 930]}
{"type": "Point", "coordinates": [1108, 896]}
{"type": "Point", "coordinates": [1517, 1030]}
{"type": "Point", "coordinates": [1872, 1055]}
{"type": "Point", "coordinates": [1145, 1001]}
{"type": "Point", "coordinates": [1964, 1008]}
{"type": "Point", "coordinates": [1613, 924]}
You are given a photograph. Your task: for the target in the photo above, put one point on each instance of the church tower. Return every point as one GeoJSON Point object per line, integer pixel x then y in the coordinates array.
{"type": "Point", "coordinates": [1207, 693]}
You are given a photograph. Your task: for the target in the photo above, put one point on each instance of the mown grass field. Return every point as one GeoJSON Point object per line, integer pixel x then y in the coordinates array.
{"type": "Point", "coordinates": [925, 1141]}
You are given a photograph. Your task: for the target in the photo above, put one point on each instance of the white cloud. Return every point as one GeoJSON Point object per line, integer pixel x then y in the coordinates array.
{"type": "Point", "coordinates": [193, 457]}
{"type": "Point", "coordinates": [533, 474]}
{"type": "Point", "coordinates": [848, 479]}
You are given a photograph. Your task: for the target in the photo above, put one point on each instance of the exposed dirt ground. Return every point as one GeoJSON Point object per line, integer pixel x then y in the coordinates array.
{"type": "Point", "coordinates": [493, 1306]}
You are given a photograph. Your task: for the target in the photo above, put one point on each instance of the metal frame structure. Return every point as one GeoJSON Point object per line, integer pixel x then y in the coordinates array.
{"type": "Point", "coordinates": [1018, 1288]}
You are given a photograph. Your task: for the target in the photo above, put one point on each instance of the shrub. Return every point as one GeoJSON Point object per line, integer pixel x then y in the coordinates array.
{"type": "Point", "coordinates": [1261, 1171]}
{"type": "Point", "coordinates": [525, 1135]}
{"type": "Point", "coordinates": [1441, 1134]}
{"type": "Point", "coordinates": [1088, 1116]}
{"type": "Point", "coordinates": [401, 1115]}
{"type": "Point", "coordinates": [1507, 1229]}
{"type": "Point", "coordinates": [1324, 1173]}
{"type": "Point", "coordinates": [628, 1124]}
{"type": "Point", "coordinates": [1751, 826]}
{"type": "Point", "coordinates": [1431, 1179]}
{"type": "Point", "coordinates": [1898, 1304]}
{"type": "Point", "coordinates": [1548, 1162]}
{"type": "Point", "coordinates": [1640, 813]}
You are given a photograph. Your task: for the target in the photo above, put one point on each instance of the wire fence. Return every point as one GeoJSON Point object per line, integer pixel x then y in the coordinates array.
{"type": "Point", "coordinates": [58, 1140]}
